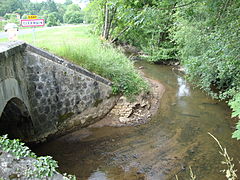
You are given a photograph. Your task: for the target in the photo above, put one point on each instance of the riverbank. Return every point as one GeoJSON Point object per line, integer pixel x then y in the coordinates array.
{"type": "Point", "coordinates": [174, 139]}
{"type": "Point", "coordinates": [140, 111]}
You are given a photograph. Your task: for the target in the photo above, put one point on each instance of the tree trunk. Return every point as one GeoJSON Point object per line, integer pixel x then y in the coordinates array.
{"type": "Point", "coordinates": [106, 22]}
{"type": "Point", "coordinates": [104, 19]}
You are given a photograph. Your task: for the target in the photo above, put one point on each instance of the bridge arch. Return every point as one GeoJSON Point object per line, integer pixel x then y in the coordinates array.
{"type": "Point", "coordinates": [9, 88]}
{"type": "Point", "coordinates": [16, 120]}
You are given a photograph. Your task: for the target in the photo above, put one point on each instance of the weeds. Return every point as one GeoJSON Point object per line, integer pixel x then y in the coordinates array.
{"type": "Point", "coordinates": [230, 172]}
{"type": "Point", "coordinates": [192, 176]}
{"type": "Point", "coordinates": [176, 177]}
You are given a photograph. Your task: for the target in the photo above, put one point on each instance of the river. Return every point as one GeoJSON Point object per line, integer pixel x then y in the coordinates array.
{"type": "Point", "coordinates": [173, 140]}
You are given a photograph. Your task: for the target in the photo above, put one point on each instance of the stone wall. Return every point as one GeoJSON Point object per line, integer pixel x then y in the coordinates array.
{"type": "Point", "coordinates": [59, 95]}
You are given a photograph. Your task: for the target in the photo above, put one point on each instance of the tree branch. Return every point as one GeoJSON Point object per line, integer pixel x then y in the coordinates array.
{"type": "Point", "coordinates": [180, 6]}
{"type": "Point", "coordinates": [125, 29]}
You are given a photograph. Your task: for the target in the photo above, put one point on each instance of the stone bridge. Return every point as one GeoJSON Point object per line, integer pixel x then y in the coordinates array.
{"type": "Point", "coordinates": [42, 95]}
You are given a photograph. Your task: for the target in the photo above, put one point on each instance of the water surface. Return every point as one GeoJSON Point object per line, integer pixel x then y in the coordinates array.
{"type": "Point", "coordinates": [173, 140]}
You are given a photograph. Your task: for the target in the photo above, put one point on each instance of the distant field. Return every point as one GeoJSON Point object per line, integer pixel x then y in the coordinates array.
{"type": "Point", "coordinates": [78, 45]}
{"type": "Point", "coordinates": [56, 35]}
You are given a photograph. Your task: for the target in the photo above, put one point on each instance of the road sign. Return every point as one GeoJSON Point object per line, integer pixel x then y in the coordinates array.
{"type": "Point", "coordinates": [32, 22]}
{"type": "Point", "coordinates": [32, 16]}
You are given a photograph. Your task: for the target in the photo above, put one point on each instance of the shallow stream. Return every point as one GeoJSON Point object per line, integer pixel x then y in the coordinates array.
{"type": "Point", "coordinates": [173, 140]}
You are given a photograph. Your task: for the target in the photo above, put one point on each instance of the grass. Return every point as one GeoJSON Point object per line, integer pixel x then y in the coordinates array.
{"type": "Point", "coordinates": [79, 46]}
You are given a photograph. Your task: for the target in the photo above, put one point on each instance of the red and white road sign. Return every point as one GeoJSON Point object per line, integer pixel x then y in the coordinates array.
{"type": "Point", "coordinates": [32, 22]}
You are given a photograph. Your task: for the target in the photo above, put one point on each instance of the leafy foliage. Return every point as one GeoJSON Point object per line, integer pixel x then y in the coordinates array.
{"type": "Point", "coordinates": [44, 166]}
{"type": "Point", "coordinates": [235, 104]}
{"type": "Point", "coordinates": [207, 35]}
{"type": "Point", "coordinates": [52, 19]}
{"type": "Point", "coordinates": [52, 12]}
{"type": "Point", "coordinates": [207, 46]}
{"type": "Point", "coordinates": [140, 23]}
{"type": "Point", "coordinates": [73, 14]}
{"type": "Point", "coordinates": [15, 147]}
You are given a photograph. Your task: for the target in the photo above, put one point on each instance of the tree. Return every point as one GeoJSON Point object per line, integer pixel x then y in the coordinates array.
{"type": "Point", "coordinates": [10, 6]}
{"type": "Point", "coordinates": [34, 8]}
{"type": "Point", "coordinates": [140, 23]}
{"type": "Point", "coordinates": [207, 37]}
{"type": "Point", "coordinates": [49, 6]}
{"type": "Point", "coordinates": [73, 7]}
{"type": "Point", "coordinates": [73, 14]}
{"type": "Point", "coordinates": [52, 19]}
{"type": "Point", "coordinates": [68, 2]}
{"type": "Point", "coordinates": [73, 17]}
{"type": "Point", "coordinates": [61, 10]}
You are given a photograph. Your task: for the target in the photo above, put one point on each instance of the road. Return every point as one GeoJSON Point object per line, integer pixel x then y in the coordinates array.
{"type": "Point", "coordinates": [22, 31]}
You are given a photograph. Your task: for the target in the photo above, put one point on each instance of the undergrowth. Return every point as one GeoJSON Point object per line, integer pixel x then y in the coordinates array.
{"type": "Point", "coordinates": [44, 166]}
{"type": "Point", "coordinates": [235, 104]}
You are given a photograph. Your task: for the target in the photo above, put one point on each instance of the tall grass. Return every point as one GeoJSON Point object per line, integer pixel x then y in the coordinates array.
{"type": "Point", "coordinates": [106, 61]}
{"type": "Point", "coordinates": [77, 45]}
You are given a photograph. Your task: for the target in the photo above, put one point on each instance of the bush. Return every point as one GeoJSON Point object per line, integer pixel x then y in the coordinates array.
{"type": "Point", "coordinates": [235, 104]}
{"type": "Point", "coordinates": [208, 40]}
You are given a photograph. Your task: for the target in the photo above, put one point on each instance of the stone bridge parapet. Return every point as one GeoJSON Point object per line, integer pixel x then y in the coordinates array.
{"type": "Point", "coordinates": [42, 94]}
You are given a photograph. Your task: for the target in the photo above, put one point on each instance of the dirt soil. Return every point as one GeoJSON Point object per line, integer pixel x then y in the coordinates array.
{"type": "Point", "coordinates": [127, 113]}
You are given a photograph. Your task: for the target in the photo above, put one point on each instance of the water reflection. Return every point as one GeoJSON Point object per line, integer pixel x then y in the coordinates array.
{"type": "Point", "coordinates": [183, 88]}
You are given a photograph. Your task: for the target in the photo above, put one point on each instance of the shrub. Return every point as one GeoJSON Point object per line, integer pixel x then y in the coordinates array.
{"type": "Point", "coordinates": [208, 40]}
{"type": "Point", "coordinates": [235, 104]}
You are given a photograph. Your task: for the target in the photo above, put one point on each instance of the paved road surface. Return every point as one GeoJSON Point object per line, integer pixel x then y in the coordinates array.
{"type": "Point", "coordinates": [22, 31]}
